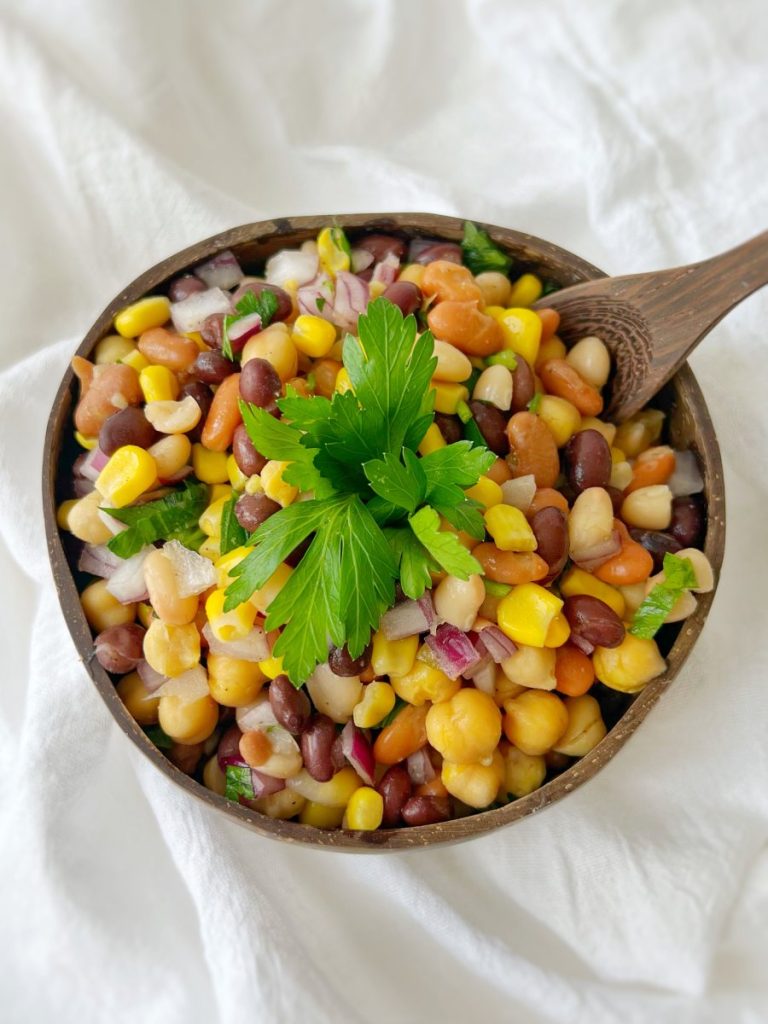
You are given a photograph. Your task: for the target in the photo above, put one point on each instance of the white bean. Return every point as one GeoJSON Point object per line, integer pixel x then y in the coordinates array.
{"type": "Point", "coordinates": [452, 365]}
{"type": "Point", "coordinates": [648, 508]}
{"type": "Point", "coordinates": [458, 601]}
{"type": "Point", "coordinates": [591, 360]}
{"type": "Point", "coordinates": [494, 385]}
{"type": "Point", "coordinates": [173, 417]}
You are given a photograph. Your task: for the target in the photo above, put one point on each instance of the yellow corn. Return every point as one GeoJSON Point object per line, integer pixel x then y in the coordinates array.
{"type": "Point", "coordinates": [527, 612]}
{"type": "Point", "coordinates": [262, 599]}
{"type": "Point", "coordinates": [509, 528]}
{"type": "Point", "coordinates": [319, 816]}
{"type": "Point", "coordinates": [561, 416]}
{"type": "Point", "coordinates": [558, 632]}
{"type": "Point", "coordinates": [393, 657]}
{"type": "Point", "coordinates": [272, 667]}
{"type": "Point", "coordinates": [448, 395]}
{"type": "Point", "coordinates": [135, 359]}
{"type": "Point", "coordinates": [424, 683]}
{"type": "Point", "coordinates": [145, 614]}
{"type": "Point", "coordinates": [577, 581]}
{"type": "Point", "coordinates": [237, 477]}
{"type": "Point", "coordinates": [130, 472]}
{"type": "Point", "coordinates": [210, 521]}
{"type": "Point", "coordinates": [226, 564]}
{"type": "Point", "coordinates": [630, 666]}
{"type": "Point", "coordinates": [378, 700]}
{"type": "Point", "coordinates": [522, 332]}
{"type": "Point", "coordinates": [229, 625]}
{"type": "Point", "coordinates": [153, 311]}
{"type": "Point", "coordinates": [112, 349]}
{"type": "Point", "coordinates": [210, 548]}
{"type": "Point", "coordinates": [526, 290]}
{"type": "Point", "coordinates": [313, 336]}
{"type": "Point", "coordinates": [89, 443]}
{"type": "Point", "coordinates": [197, 337]}
{"type": "Point", "coordinates": [343, 383]}
{"type": "Point", "coordinates": [365, 810]}
{"type": "Point", "coordinates": [332, 250]}
{"type": "Point", "coordinates": [617, 456]}
{"type": "Point", "coordinates": [158, 384]}
{"type": "Point", "coordinates": [432, 440]}
{"type": "Point", "coordinates": [413, 272]}
{"type": "Point", "coordinates": [253, 485]}
{"type": "Point", "coordinates": [274, 486]}
{"type": "Point", "coordinates": [62, 512]}
{"type": "Point", "coordinates": [217, 491]}
{"type": "Point", "coordinates": [608, 430]}
{"type": "Point", "coordinates": [210, 467]}
{"type": "Point", "coordinates": [486, 491]}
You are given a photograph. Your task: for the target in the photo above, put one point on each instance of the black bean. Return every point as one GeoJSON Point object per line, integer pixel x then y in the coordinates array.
{"type": "Point", "coordinates": [404, 294]}
{"type": "Point", "coordinates": [395, 788]}
{"type": "Point", "coordinates": [284, 305]}
{"type": "Point", "coordinates": [185, 286]}
{"type": "Point", "coordinates": [212, 367]}
{"type": "Point", "coordinates": [380, 246]}
{"type": "Point", "coordinates": [316, 741]}
{"type": "Point", "coordinates": [550, 527]}
{"type": "Point", "coordinates": [492, 424]}
{"type": "Point", "coordinates": [658, 543]}
{"type": "Point", "coordinates": [343, 664]}
{"type": "Point", "coordinates": [523, 385]}
{"type": "Point", "coordinates": [687, 524]}
{"type": "Point", "coordinates": [449, 427]}
{"type": "Point", "coordinates": [259, 383]}
{"type": "Point", "coordinates": [588, 458]}
{"type": "Point", "coordinates": [426, 810]}
{"type": "Point", "coordinates": [248, 460]}
{"type": "Point", "coordinates": [213, 329]}
{"type": "Point", "coordinates": [251, 510]}
{"type": "Point", "coordinates": [290, 706]}
{"type": "Point", "coordinates": [128, 426]}
{"type": "Point", "coordinates": [203, 395]}
{"type": "Point", "coordinates": [592, 619]}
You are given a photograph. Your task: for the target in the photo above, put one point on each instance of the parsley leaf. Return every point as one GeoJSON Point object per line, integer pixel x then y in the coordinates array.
{"type": "Point", "coordinates": [679, 575]}
{"type": "Point", "coordinates": [232, 533]}
{"type": "Point", "coordinates": [275, 439]}
{"type": "Point", "coordinates": [535, 403]}
{"type": "Point", "coordinates": [413, 561]}
{"type": "Point", "coordinates": [161, 739]}
{"type": "Point", "coordinates": [401, 485]}
{"type": "Point", "coordinates": [304, 413]}
{"type": "Point", "coordinates": [265, 304]}
{"type": "Point", "coordinates": [238, 783]}
{"type": "Point", "coordinates": [450, 469]}
{"type": "Point", "coordinates": [466, 516]}
{"type": "Point", "coordinates": [445, 547]}
{"type": "Point", "coordinates": [173, 517]}
{"type": "Point", "coordinates": [480, 253]}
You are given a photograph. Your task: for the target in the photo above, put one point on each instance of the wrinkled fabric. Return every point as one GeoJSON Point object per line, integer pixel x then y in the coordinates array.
{"type": "Point", "coordinates": [632, 134]}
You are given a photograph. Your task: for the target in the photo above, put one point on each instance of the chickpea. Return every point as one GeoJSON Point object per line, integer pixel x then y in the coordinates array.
{"type": "Point", "coordinates": [532, 667]}
{"type": "Point", "coordinates": [134, 694]}
{"type": "Point", "coordinates": [585, 726]}
{"type": "Point", "coordinates": [496, 288]}
{"type": "Point", "coordinates": [188, 721]}
{"type": "Point", "coordinates": [424, 683]}
{"type": "Point", "coordinates": [466, 728]}
{"type": "Point", "coordinates": [84, 522]}
{"type": "Point", "coordinates": [476, 785]}
{"type": "Point", "coordinates": [171, 650]}
{"type": "Point", "coordinates": [523, 773]}
{"type": "Point", "coordinates": [102, 609]}
{"type": "Point", "coordinates": [160, 578]}
{"type": "Point", "coordinates": [233, 682]}
{"type": "Point", "coordinates": [535, 721]}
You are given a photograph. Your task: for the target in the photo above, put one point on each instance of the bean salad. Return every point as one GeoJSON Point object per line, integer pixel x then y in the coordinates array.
{"type": "Point", "coordinates": [358, 544]}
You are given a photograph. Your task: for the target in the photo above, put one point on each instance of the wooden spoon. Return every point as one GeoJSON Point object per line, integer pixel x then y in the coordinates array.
{"type": "Point", "coordinates": [651, 322]}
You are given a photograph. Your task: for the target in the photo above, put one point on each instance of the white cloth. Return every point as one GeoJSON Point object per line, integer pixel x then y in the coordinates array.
{"type": "Point", "coordinates": [633, 134]}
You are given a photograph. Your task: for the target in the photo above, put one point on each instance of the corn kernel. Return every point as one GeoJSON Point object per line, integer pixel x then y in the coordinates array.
{"type": "Point", "coordinates": [432, 440]}
{"type": "Point", "coordinates": [336, 792]}
{"type": "Point", "coordinates": [153, 311]}
{"type": "Point", "coordinates": [274, 486]}
{"type": "Point", "coordinates": [486, 491]}
{"type": "Point", "coordinates": [526, 290]}
{"type": "Point", "coordinates": [231, 625]}
{"type": "Point", "coordinates": [253, 485]}
{"type": "Point", "coordinates": [210, 548]}
{"type": "Point", "coordinates": [333, 250]}
{"type": "Point", "coordinates": [262, 599]}
{"type": "Point", "coordinates": [158, 384]}
{"type": "Point", "coordinates": [526, 613]}
{"type": "Point", "coordinates": [89, 443]}
{"type": "Point", "coordinates": [561, 416]}
{"type": "Point", "coordinates": [413, 272]}
{"type": "Point", "coordinates": [197, 337]}
{"type": "Point", "coordinates": [578, 581]}
{"type": "Point", "coordinates": [448, 395]}
{"type": "Point", "coordinates": [319, 816]}
{"type": "Point", "coordinates": [522, 332]}
{"type": "Point", "coordinates": [617, 456]}
{"type": "Point", "coordinates": [509, 528]}
{"type": "Point", "coordinates": [630, 666]}
{"type": "Point", "coordinates": [365, 810]}
{"type": "Point", "coordinates": [129, 473]}
{"type": "Point", "coordinates": [237, 477]}
{"type": "Point", "coordinates": [313, 335]}
{"type": "Point", "coordinates": [217, 491]}
{"type": "Point", "coordinates": [62, 512]}
{"type": "Point", "coordinates": [210, 467]}
{"type": "Point", "coordinates": [145, 614]}
{"type": "Point", "coordinates": [136, 360]}
{"type": "Point", "coordinates": [558, 632]}
{"type": "Point", "coordinates": [393, 657]}
{"type": "Point", "coordinates": [226, 564]}
{"type": "Point", "coordinates": [112, 349]}
{"type": "Point", "coordinates": [424, 683]}
{"type": "Point", "coordinates": [343, 383]}
{"type": "Point", "coordinates": [272, 667]}
{"type": "Point", "coordinates": [210, 521]}
{"type": "Point", "coordinates": [378, 700]}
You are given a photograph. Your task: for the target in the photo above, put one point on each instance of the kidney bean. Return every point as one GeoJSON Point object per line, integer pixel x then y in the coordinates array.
{"type": "Point", "coordinates": [426, 810]}
{"type": "Point", "coordinates": [316, 742]}
{"type": "Point", "coordinates": [588, 459]}
{"type": "Point", "coordinates": [128, 426]}
{"type": "Point", "coordinates": [450, 282]}
{"type": "Point", "coordinates": [167, 348]}
{"type": "Point", "coordinates": [213, 329]}
{"type": "Point", "coordinates": [404, 294]}
{"type": "Point", "coordinates": [338, 757]}
{"type": "Point", "coordinates": [492, 424]}
{"type": "Point", "coordinates": [120, 648]}
{"type": "Point", "coordinates": [248, 460]}
{"type": "Point", "coordinates": [532, 449]}
{"type": "Point", "coordinates": [290, 706]}
{"type": "Point", "coordinates": [203, 395]}
{"type": "Point", "coordinates": [510, 566]}
{"type": "Point", "coordinates": [185, 286]}
{"type": "Point", "coordinates": [523, 385]}
{"type": "Point", "coordinates": [224, 415]}
{"type": "Point", "coordinates": [559, 378]}
{"type": "Point", "coordinates": [550, 527]}
{"type": "Point", "coordinates": [380, 246]}
{"type": "Point", "coordinates": [425, 250]}
{"type": "Point", "coordinates": [186, 756]}
{"type": "Point", "coordinates": [592, 619]}
{"type": "Point", "coordinates": [284, 305]}
{"type": "Point", "coordinates": [687, 525]}
{"type": "Point", "coordinates": [104, 390]}
{"type": "Point", "coordinates": [395, 787]}
{"type": "Point", "coordinates": [463, 325]}
{"type": "Point", "coordinates": [259, 383]}
{"type": "Point", "coordinates": [212, 367]}
{"type": "Point", "coordinates": [229, 747]}
{"type": "Point", "coordinates": [251, 510]}
{"type": "Point", "coordinates": [449, 427]}
{"type": "Point", "coordinates": [658, 543]}
{"type": "Point", "coordinates": [342, 664]}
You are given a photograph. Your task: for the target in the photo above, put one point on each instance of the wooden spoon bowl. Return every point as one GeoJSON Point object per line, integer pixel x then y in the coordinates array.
{"type": "Point", "coordinates": [689, 426]}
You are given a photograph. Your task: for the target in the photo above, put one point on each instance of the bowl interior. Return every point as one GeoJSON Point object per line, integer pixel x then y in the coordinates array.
{"type": "Point", "coordinates": [689, 426]}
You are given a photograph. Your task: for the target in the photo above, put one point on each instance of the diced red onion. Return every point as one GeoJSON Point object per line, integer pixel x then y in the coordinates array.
{"type": "Point", "coordinates": [584, 645]}
{"type": "Point", "coordinates": [687, 478]}
{"type": "Point", "coordinates": [98, 560]}
{"type": "Point", "coordinates": [427, 606]}
{"type": "Point", "coordinates": [359, 752]}
{"type": "Point", "coordinates": [112, 524]}
{"type": "Point", "coordinates": [349, 301]}
{"type": "Point", "coordinates": [426, 250]}
{"type": "Point", "coordinates": [190, 314]}
{"type": "Point", "coordinates": [361, 260]}
{"type": "Point", "coordinates": [591, 558]}
{"type": "Point", "coordinates": [406, 619]}
{"type": "Point", "coordinates": [484, 677]}
{"type": "Point", "coordinates": [265, 785]}
{"type": "Point", "coordinates": [256, 716]}
{"type": "Point", "coordinates": [253, 647]}
{"type": "Point", "coordinates": [189, 686]}
{"type": "Point", "coordinates": [497, 643]}
{"type": "Point", "coordinates": [221, 271]}
{"type": "Point", "coordinates": [420, 767]}
{"type": "Point", "coordinates": [453, 650]}
{"type": "Point", "coordinates": [193, 572]}
{"type": "Point", "coordinates": [292, 265]}
{"type": "Point", "coordinates": [385, 272]}
{"type": "Point", "coordinates": [83, 486]}
{"type": "Point", "coordinates": [228, 751]}
{"type": "Point", "coordinates": [241, 330]}
{"type": "Point", "coordinates": [316, 297]}
{"type": "Point", "coordinates": [152, 680]}
{"type": "Point", "coordinates": [90, 464]}
{"type": "Point", "coordinates": [127, 583]}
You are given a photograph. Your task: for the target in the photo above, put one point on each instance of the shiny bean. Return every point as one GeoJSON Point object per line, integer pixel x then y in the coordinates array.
{"type": "Point", "coordinates": [338, 757]}
{"type": "Point", "coordinates": [212, 367]}
{"type": "Point", "coordinates": [687, 525]}
{"type": "Point", "coordinates": [560, 378]}
{"type": "Point", "coordinates": [550, 528]}
{"type": "Point", "coordinates": [592, 619]}
{"type": "Point", "coordinates": [229, 747]}
{"type": "Point", "coordinates": [588, 459]}
{"type": "Point", "coordinates": [425, 250]}
{"type": "Point", "coordinates": [128, 426]}
{"type": "Point", "coordinates": [404, 294]}
{"type": "Point", "coordinates": [291, 707]}
{"type": "Point", "coordinates": [284, 304]}
{"type": "Point", "coordinates": [426, 810]}
{"type": "Point", "coordinates": [252, 510]}
{"type": "Point", "coordinates": [532, 449]}
{"type": "Point", "coordinates": [316, 742]}
{"type": "Point", "coordinates": [259, 383]}
{"type": "Point", "coordinates": [212, 330]}
{"type": "Point", "coordinates": [162, 585]}
{"type": "Point", "coordinates": [105, 390]}
{"type": "Point", "coordinates": [449, 427]}
{"type": "Point", "coordinates": [658, 543]}
{"type": "Point", "coordinates": [203, 395]}
{"type": "Point", "coordinates": [523, 385]}
{"type": "Point", "coordinates": [224, 416]}
{"type": "Point", "coordinates": [463, 325]}
{"type": "Point", "coordinates": [185, 286]}
{"type": "Point", "coordinates": [248, 460]}
{"type": "Point", "coordinates": [186, 756]}
{"type": "Point", "coordinates": [167, 348]}
{"type": "Point", "coordinates": [395, 787]}
{"type": "Point", "coordinates": [120, 648]}
{"type": "Point", "coordinates": [511, 567]}
{"type": "Point", "coordinates": [343, 664]}
{"type": "Point", "coordinates": [381, 246]}
{"type": "Point", "coordinates": [492, 424]}
{"type": "Point", "coordinates": [449, 281]}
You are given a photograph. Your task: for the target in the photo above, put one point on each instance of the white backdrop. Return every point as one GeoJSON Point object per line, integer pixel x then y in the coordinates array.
{"type": "Point", "coordinates": [633, 134]}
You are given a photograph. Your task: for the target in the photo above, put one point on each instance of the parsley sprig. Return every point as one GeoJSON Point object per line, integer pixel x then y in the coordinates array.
{"type": "Point", "coordinates": [174, 517]}
{"type": "Point", "coordinates": [375, 512]}
{"type": "Point", "coordinates": [265, 304]}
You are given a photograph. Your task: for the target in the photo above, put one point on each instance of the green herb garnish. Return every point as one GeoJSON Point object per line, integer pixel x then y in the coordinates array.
{"type": "Point", "coordinates": [549, 287]}
{"type": "Point", "coordinates": [504, 358]}
{"type": "Point", "coordinates": [480, 253]}
{"type": "Point", "coordinates": [161, 739]}
{"type": "Point", "coordinates": [238, 783]}
{"type": "Point", "coordinates": [679, 575]}
{"type": "Point", "coordinates": [173, 517]}
{"type": "Point", "coordinates": [389, 719]}
{"type": "Point", "coordinates": [535, 403]}
{"type": "Point", "coordinates": [374, 514]}
{"type": "Point", "coordinates": [265, 304]}
{"type": "Point", "coordinates": [232, 533]}
{"type": "Point", "coordinates": [494, 589]}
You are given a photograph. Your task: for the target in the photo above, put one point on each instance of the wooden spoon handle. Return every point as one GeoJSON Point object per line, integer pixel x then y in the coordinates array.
{"type": "Point", "coordinates": [716, 285]}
